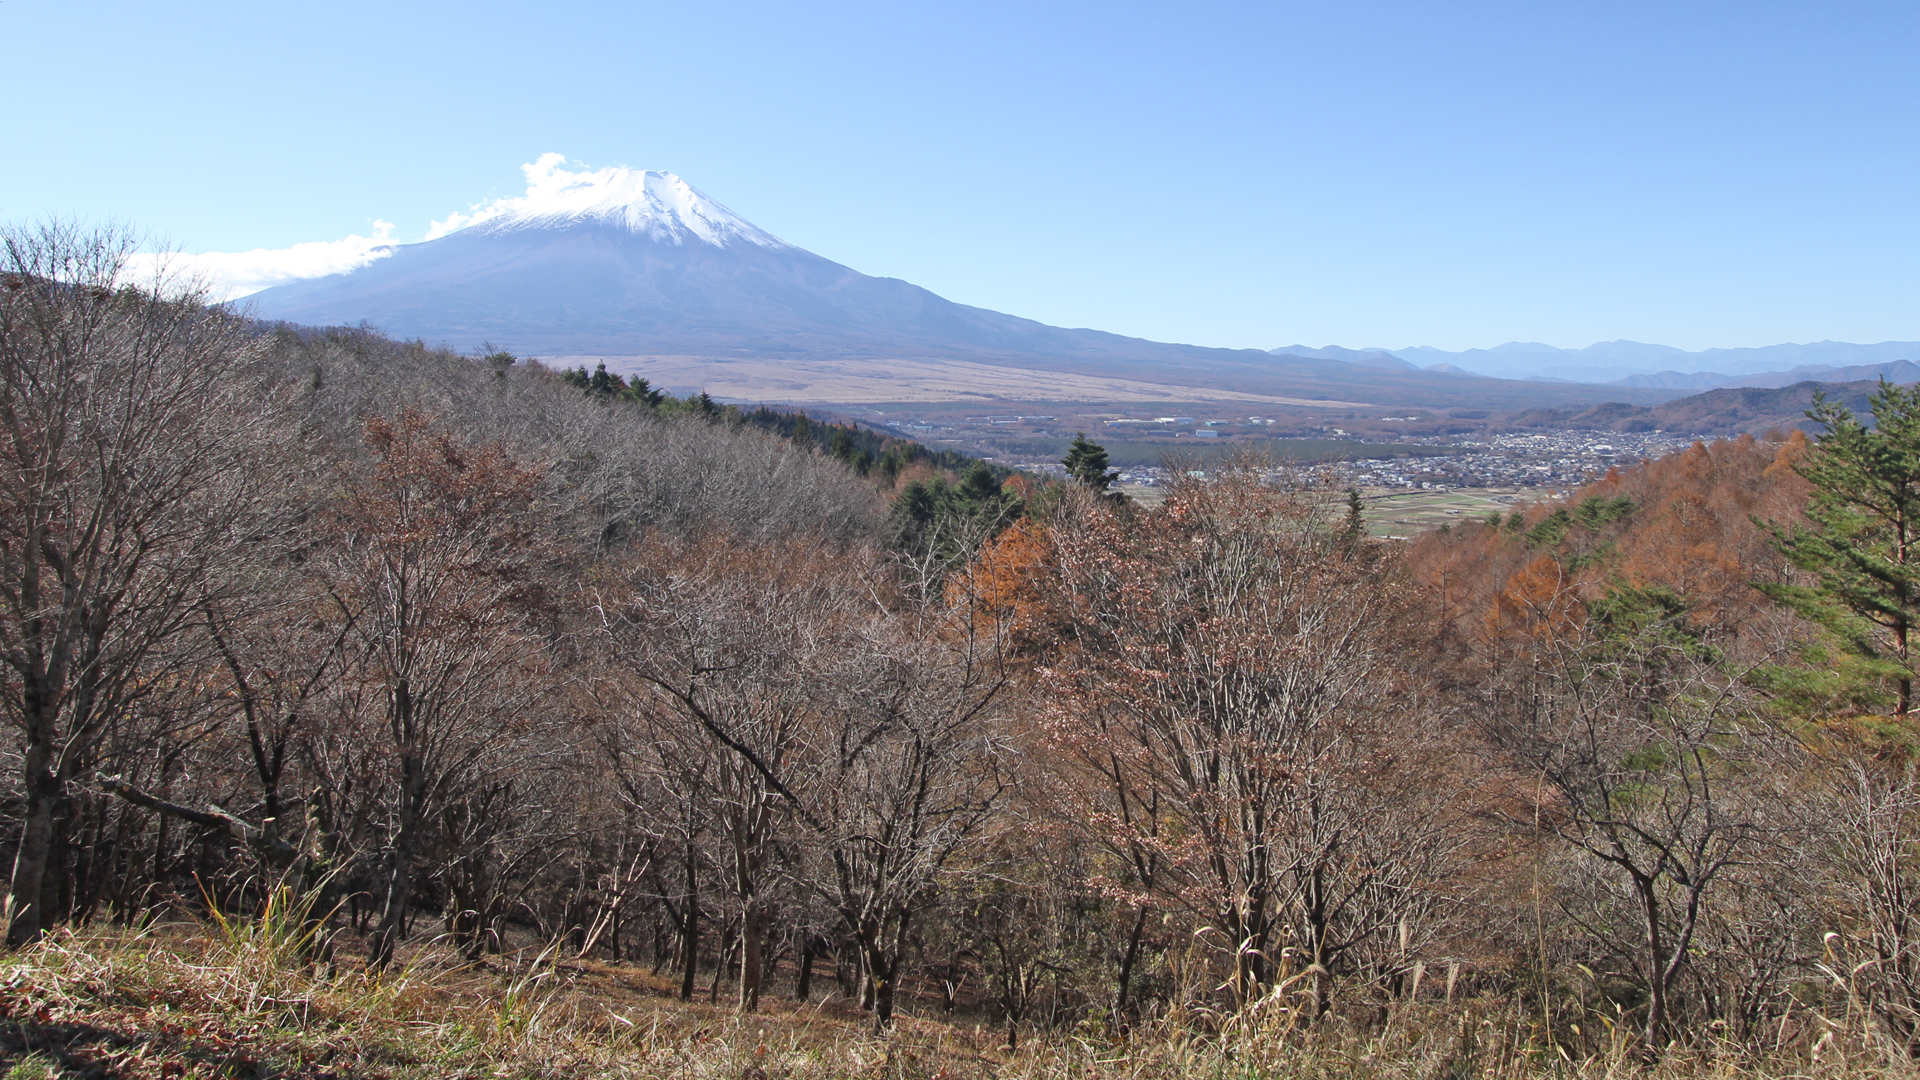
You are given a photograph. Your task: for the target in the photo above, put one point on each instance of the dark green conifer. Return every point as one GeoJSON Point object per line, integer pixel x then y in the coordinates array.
{"type": "Point", "coordinates": [1087, 463]}
{"type": "Point", "coordinates": [951, 520]}
{"type": "Point", "coordinates": [1356, 527]}
{"type": "Point", "coordinates": [1862, 540]}
{"type": "Point", "coordinates": [638, 389]}
{"type": "Point", "coordinates": [604, 385]}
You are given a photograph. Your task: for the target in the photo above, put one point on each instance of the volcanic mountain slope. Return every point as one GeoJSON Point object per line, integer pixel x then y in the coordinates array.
{"type": "Point", "coordinates": [627, 264]}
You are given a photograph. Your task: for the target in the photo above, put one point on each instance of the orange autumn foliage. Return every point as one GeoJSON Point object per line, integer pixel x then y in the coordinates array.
{"type": "Point", "coordinates": [1538, 604]}
{"type": "Point", "coordinates": [1691, 529]}
{"type": "Point", "coordinates": [1005, 586]}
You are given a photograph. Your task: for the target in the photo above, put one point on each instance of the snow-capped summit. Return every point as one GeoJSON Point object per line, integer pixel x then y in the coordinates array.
{"type": "Point", "coordinates": [657, 205]}
{"type": "Point", "coordinates": [623, 262]}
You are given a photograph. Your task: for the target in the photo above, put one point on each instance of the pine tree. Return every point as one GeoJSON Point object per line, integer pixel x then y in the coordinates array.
{"type": "Point", "coordinates": [1863, 541]}
{"type": "Point", "coordinates": [500, 360]}
{"type": "Point", "coordinates": [642, 391]}
{"type": "Point", "coordinates": [951, 520]}
{"type": "Point", "coordinates": [603, 384]}
{"type": "Point", "coordinates": [1087, 463]}
{"type": "Point", "coordinates": [892, 461]}
{"type": "Point", "coordinates": [1356, 527]}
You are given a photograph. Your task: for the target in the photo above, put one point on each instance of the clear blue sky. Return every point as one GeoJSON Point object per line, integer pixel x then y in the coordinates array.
{"type": "Point", "coordinates": [1361, 173]}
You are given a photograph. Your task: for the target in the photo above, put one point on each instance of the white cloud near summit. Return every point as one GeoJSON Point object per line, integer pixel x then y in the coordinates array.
{"type": "Point", "coordinates": [549, 185]}
{"type": "Point", "coordinates": [231, 275]}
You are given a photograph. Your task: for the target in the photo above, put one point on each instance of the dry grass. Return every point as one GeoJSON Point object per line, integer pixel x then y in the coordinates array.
{"type": "Point", "coordinates": [239, 1002]}
{"type": "Point", "coordinates": [876, 382]}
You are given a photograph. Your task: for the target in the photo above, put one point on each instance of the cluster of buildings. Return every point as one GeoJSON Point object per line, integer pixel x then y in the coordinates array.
{"type": "Point", "coordinates": [1560, 459]}
{"type": "Point", "coordinates": [1533, 460]}
{"type": "Point", "coordinates": [1553, 459]}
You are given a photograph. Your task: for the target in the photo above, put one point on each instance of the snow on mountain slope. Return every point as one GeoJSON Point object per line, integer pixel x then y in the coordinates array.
{"type": "Point", "coordinates": [624, 262]}
{"type": "Point", "coordinates": [657, 205]}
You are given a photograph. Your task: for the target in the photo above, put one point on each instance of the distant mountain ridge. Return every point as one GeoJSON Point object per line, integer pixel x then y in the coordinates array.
{"type": "Point", "coordinates": [1663, 365]}
{"type": "Point", "coordinates": [1379, 358]}
{"type": "Point", "coordinates": [1720, 412]}
{"type": "Point", "coordinates": [1899, 371]}
{"type": "Point", "coordinates": [1675, 380]}
{"type": "Point", "coordinates": [625, 263]}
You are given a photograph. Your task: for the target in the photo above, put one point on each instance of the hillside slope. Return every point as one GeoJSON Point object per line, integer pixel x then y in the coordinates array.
{"type": "Point", "coordinates": [1726, 411]}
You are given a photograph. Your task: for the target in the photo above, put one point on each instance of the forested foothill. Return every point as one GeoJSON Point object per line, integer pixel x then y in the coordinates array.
{"type": "Point", "coordinates": [358, 686]}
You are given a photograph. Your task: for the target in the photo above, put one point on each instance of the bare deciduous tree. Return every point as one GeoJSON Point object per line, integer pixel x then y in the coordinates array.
{"type": "Point", "coordinates": [128, 425]}
{"type": "Point", "coordinates": [1223, 703]}
{"type": "Point", "coordinates": [434, 573]}
{"type": "Point", "coordinates": [1629, 743]}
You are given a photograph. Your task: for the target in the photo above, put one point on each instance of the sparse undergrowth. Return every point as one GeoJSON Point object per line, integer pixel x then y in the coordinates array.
{"type": "Point", "coordinates": [234, 1001]}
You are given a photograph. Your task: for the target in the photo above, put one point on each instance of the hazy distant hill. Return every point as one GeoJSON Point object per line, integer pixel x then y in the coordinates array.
{"type": "Point", "coordinates": [1725, 411]}
{"type": "Point", "coordinates": [1379, 358]}
{"type": "Point", "coordinates": [1676, 380]}
{"type": "Point", "coordinates": [1900, 371]}
{"type": "Point", "coordinates": [1608, 361]}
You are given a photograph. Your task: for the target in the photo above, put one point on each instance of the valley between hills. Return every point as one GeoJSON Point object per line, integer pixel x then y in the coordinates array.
{"type": "Point", "coordinates": [807, 380]}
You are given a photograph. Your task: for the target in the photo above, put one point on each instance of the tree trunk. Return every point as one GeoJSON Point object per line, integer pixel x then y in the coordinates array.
{"type": "Point", "coordinates": [690, 931]}
{"type": "Point", "coordinates": [393, 912]}
{"type": "Point", "coordinates": [804, 985]}
{"type": "Point", "coordinates": [160, 866]}
{"type": "Point", "coordinates": [413, 797]}
{"type": "Point", "coordinates": [1124, 981]}
{"type": "Point", "coordinates": [1319, 927]}
{"type": "Point", "coordinates": [880, 973]}
{"type": "Point", "coordinates": [465, 926]}
{"type": "Point", "coordinates": [751, 932]}
{"type": "Point", "coordinates": [56, 881]}
{"type": "Point", "coordinates": [1656, 969]}
{"type": "Point", "coordinates": [1900, 646]}
{"type": "Point", "coordinates": [729, 944]}
{"type": "Point", "coordinates": [26, 916]}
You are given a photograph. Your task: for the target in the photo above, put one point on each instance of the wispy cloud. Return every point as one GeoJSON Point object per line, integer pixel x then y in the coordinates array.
{"type": "Point", "coordinates": [230, 275]}
{"type": "Point", "coordinates": [548, 182]}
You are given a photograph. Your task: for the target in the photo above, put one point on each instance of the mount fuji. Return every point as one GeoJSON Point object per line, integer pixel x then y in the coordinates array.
{"type": "Point", "coordinates": [630, 263]}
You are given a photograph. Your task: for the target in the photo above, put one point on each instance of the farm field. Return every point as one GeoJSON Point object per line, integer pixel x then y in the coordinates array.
{"type": "Point", "coordinates": [1401, 513]}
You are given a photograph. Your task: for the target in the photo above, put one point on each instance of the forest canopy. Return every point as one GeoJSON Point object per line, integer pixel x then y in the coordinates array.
{"type": "Point", "coordinates": [474, 654]}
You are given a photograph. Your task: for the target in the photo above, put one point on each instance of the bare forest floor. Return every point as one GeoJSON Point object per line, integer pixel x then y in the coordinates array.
{"type": "Point", "coordinates": [234, 1001]}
